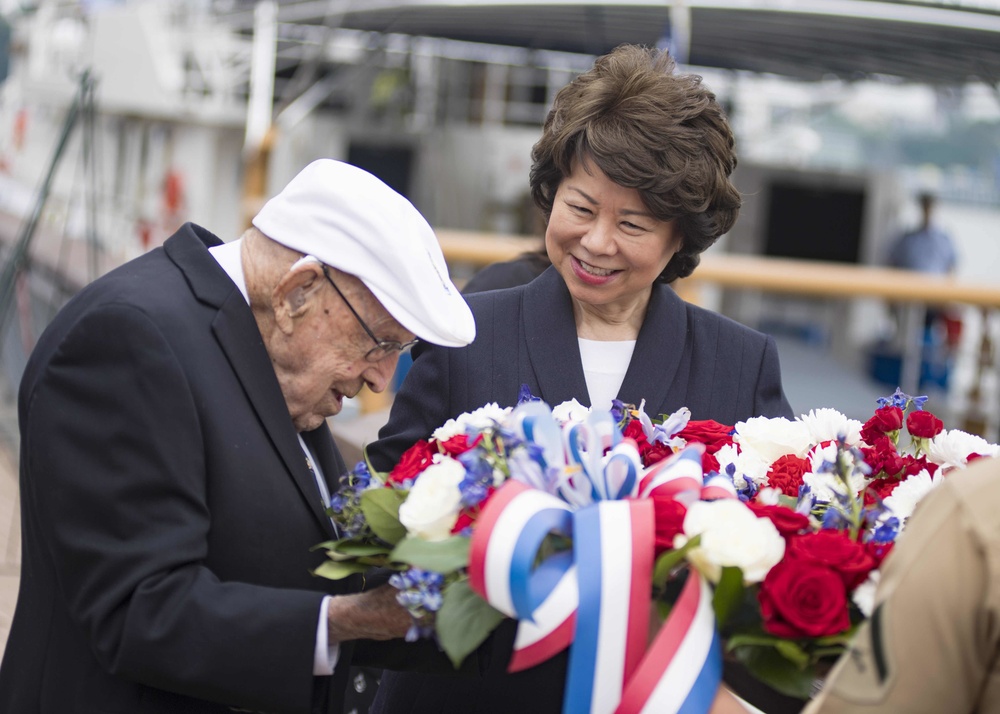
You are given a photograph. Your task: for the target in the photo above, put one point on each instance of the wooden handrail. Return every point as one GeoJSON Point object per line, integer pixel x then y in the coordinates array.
{"type": "Point", "coordinates": [781, 275]}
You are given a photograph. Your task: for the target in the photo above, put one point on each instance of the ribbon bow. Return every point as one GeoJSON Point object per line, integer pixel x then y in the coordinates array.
{"type": "Point", "coordinates": [596, 598]}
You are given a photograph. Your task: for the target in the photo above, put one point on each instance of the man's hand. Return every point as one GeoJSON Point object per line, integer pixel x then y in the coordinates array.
{"type": "Point", "coordinates": [372, 615]}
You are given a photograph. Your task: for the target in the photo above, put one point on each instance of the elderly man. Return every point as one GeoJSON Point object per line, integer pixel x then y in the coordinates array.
{"type": "Point", "coordinates": [175, 460]}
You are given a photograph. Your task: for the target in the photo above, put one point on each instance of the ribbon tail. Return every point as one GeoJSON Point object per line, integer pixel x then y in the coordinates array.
{"type": "Point", "coordinates": [682, 670]}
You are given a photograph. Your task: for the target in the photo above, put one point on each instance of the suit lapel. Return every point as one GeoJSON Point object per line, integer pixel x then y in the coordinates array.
{"type": "Point", "coordinates": [238, 336]}
{"type": "Point", "coordinates": [658, 351]}
{"type": "Point", "coordinates": [550, 337]}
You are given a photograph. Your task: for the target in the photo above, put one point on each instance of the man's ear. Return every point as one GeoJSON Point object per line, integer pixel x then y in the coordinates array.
{"type": "Point", "coordinates": [290, 298]}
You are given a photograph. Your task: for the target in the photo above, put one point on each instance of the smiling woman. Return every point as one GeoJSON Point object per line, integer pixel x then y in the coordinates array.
{"type": "Point", "coordinates": [632, 173]}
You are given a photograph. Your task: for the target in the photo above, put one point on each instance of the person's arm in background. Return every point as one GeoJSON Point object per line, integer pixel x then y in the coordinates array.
{"type": "Point", "coordinates": [931, 644]}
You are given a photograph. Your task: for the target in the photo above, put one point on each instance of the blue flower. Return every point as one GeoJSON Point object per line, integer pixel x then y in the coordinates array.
{"type": "Point", "coordinates": [420, 592]}
{"type": "Point", "coordinates": [901, 399]}
{"type": "Point", "coordinates": [478, 477]}
{"type": "Point", "coordinates": [524, 395]}
{"type": "Point", "coordinates": [887, 531]}
{"type": "Point", "coordinates": [834, 519]}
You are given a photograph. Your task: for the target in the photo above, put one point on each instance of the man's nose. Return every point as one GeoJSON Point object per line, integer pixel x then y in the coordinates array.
{"type": "Point", "coordinates": [378, 374]}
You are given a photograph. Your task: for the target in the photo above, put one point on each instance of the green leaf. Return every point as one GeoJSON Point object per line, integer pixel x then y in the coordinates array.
{"type": "Point", "coordinates": [787, 501]}
{"type": "Point", "coordinates": [464, 621]}
{"type": "Point", "coordinates": [728, 594]}
{"type": "Point", "coordinates": [326, 545]}
{"type": "Point", "coordinates": [751, 640]}
{"type": "Point", "coordinates": [355, 549]}
{"type": "Point", "coordinates": [793, 653]}
{"type": "Point", "coordinates": [337, 570]}
{"type": "Point", "coordinates": [442, 556]}
{"type": "Point", "coordinates": [774, 670]}
{"type": "Point", "coordinates": [666, 563]}
{"type": "Point", "coordinates": [381, 509]}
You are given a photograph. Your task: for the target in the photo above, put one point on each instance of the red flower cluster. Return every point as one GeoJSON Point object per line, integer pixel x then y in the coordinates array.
{"type": "Point", "coordinates": [412, 462]}
{"type": "Point", "coordinates": [786, 474]}
{"type": "Point", "coordinates": [806, 594]}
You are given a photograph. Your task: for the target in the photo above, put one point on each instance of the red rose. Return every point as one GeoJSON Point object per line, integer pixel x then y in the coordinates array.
{"type": "Point", "coordinates": [709, 464]}
{"type": "Point", "coordinates": [923, 425]}
{"type": "Point", "coordinates": [467, 516]}
{"type": "Point", "coordinates": [669, 518]}
{"type": "Point", "coordinates": [886, 419]}
{"type": "Point", "coordinates": [710, 433]}
{"type": "Point", "coordinates": [458, 444]}
{"type": "Point", "coordinates": [801, 598]}
{"type": "Point", "coordinates": [633, 430]}
{"type": "Point", "coordinates": [787, 521]}
{"type": "Point", "coordinates": [654, 453]}
{"type": "Point", "coordinates": [649, 453]}
{"type": "Point", "coordinates": [786, 474]}
{"type": "Point", "coordinates": [835, 550]}
{"type": "Point", "coordinates": [412, 462]}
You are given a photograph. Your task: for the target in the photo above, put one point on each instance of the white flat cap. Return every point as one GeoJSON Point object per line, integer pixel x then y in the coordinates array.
{"type": "Point", "coordinates": [351, 221]}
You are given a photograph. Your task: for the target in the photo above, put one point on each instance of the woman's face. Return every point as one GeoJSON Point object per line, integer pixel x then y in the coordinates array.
{"type": "Point", "coordinates": [604, 242]}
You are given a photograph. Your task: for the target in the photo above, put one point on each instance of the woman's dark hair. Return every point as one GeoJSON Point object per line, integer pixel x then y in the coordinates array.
{"type": "Point", "coordinates": [646, 128]}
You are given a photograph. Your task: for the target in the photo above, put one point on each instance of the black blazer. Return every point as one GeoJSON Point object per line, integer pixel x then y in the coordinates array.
{"type": "Point", "coordinates": [167, 509]}
{"type": "Point", "coordinates": [684, 356]}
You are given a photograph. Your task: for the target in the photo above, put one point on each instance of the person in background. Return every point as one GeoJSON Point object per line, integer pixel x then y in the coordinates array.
{"type": "Point", "coordinates": [632, 172]}
{"type": "Point", "coordinates": [928, 249]}
{"type": "Point", "coordinates": [509, 273]}
{"type": "Point", "coordinates": [933, 642]}
{"type": "Point", "coordinates": [176, 461]}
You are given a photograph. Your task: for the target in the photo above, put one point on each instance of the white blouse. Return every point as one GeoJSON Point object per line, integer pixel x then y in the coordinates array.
{"type": "Point", "coordinates": [604, 366]}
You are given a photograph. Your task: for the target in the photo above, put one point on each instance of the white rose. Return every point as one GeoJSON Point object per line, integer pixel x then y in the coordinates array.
{"type": "Point", "coordinates": [951, 449]}
{"type": "Point", "coordinates": [771, 439]}
{"type": "Point", "coordinates": [829, 425]}
{"type": "Point", "coordinates": [485, 416]}
{"type": "Point", "coordinates": [432, 506]}
{"type": "Point", "coordinates": [731, 536]}
{"type": "Point", "coordinates": [571, 411]}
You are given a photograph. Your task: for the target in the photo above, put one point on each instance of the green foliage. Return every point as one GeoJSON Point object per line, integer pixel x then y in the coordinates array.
{"type": "Point", "coordinates": [337, 570]}
{"type": "Point", "coordinates": [772, 666]}
{"type": "Point", "coordinates": [348, 548]}
{"type": "Point", "coordinates": [381, 509]}
{"type": "Point", "coordinates": [669, 561]}
{"type": "Point", "coordinates": [728, 595]}
{"type": "Point", "coordinates": [440, 556]}
{"type": "Point", "coordinates": [464, 621]}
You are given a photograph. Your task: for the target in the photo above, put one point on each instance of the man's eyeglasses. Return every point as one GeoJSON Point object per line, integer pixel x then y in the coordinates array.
{"type": "Point", "coordinates": [382, 348]}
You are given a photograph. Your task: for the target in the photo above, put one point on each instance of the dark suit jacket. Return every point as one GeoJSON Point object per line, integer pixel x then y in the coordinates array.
{"type": "Point", "coordinates": [684, 356]}
{"type": "Point", "coordinates": [167, 509]}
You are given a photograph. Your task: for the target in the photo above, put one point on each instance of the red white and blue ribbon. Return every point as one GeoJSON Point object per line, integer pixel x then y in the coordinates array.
{"type": "Point", "coordinates": [689, 642]}
{"type": "Point", "coordinates": [596, 598]}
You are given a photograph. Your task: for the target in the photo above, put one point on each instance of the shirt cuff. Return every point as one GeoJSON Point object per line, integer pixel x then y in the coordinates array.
{"type": "Point", "coordinates": [327, 653]}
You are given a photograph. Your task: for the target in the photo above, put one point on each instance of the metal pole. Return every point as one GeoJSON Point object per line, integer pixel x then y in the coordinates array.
{"type": "Point", "coordinates": [19, 253]}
